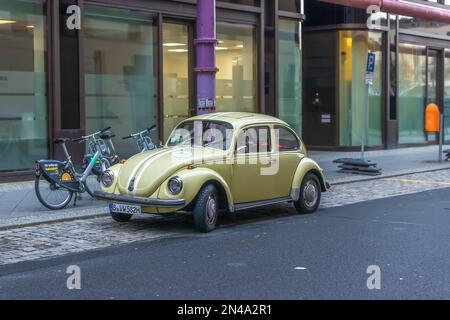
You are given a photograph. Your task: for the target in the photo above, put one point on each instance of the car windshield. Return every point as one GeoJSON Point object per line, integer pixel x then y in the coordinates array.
{"type": "Point", "coordinates": [211, 134]}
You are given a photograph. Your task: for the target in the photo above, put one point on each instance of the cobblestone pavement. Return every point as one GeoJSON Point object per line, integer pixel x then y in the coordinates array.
{"type": "Point", "coordinates": [60, 238]}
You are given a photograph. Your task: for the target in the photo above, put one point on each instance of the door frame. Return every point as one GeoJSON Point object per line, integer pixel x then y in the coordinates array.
{"type": "Point", "coordinates": [440, 62]}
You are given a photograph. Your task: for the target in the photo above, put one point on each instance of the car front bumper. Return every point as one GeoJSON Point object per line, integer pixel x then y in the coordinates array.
{"type": "Point", "coordinates": [157, 203]}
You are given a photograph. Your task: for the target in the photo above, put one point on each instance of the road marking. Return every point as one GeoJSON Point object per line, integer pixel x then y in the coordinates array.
{"type": "Point", "coordinates": [420, 181]}
{"type": "Point", "coordinates": [300, 268]}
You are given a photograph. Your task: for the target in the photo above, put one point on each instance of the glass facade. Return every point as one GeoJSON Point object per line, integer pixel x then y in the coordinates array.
{"type": "Point", "coordinates": [411, 93]}
{"type": "Point", "coordinates": [353, 49]}
{"type": "Point", "coordinates": [422, 26]}
{"type": "Point", "coordinates": [236, 59]}
{"type": "Point", "coordinates": [290, 5]}
{"type": "Point", "coordinates": [289, 74]}
{"type": "Point", "coordinates": [120, 72]}
{"type": "Point", "coordinates": [23, 89]}
{"type": "Point", "coordinates": [176, 75]}
{"type": "Point", "coordinates": [447, 94]}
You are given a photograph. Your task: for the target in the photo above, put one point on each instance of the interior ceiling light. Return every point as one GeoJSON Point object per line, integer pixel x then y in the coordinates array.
{"type": "Point", "coordinates": [178, 50]}
{"type": "Point", "coordinates": [173, 44]}
{"type": "Point", "coordinates": [7, 21]}
{"type": "Point", "coordinates": [221, 48]}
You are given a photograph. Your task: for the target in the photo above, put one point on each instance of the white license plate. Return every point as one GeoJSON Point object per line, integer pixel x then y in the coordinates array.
{"type": "Point", "coordinates": [124, 208]}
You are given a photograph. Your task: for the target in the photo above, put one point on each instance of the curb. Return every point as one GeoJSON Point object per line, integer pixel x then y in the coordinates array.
{"type": "Point", "coordinates": [25, 224]}
{"type": "Point", "coordinates": [16, 225]}
{"type": "Point", "coordinates": [392, 175]}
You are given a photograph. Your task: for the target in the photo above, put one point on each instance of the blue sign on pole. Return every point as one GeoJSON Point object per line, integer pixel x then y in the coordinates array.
{"type": "Point", "coordinates": [371, 62]}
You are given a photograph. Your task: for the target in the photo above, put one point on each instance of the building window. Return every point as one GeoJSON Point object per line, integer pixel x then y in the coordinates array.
{"type": "Point", "coordinates": [289, 74]}
{"type": "Point", "coordinates": [254, 3]}
{"type": "Point", "coordinates": [120, 72]}
{"type": "Point", "coordinates": [412, 90]}
{"type": "Point", "coordinates": [447, 94]}
{"type": "Point", "coordinates": [290, 5]}
{"type": "Point", "coordinates": [236, 60]}
{"type": "Point", "coordinates": [353, 49]}
{"type": "Point", "coordinates": [176, 75]}
{"type": "Point", "coordinates": [23, 90]}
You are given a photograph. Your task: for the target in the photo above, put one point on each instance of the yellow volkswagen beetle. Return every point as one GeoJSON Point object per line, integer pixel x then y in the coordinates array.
{"type": "Point", "coordinates": [222, 161]}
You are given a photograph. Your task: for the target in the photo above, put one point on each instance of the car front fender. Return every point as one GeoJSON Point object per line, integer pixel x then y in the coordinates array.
{"type": "Point", "coordinates": [193, 181]}
{"type": "Point", "coordinates": [306, 166]}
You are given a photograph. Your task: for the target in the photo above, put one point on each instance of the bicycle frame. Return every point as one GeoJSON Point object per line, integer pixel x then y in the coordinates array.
{"type": "Point", "coordinates": [91, 166]}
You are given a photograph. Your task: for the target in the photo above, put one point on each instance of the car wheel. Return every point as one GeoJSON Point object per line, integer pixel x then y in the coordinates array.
{"type": "Point", "coordinates": [310, 194]}
{"type": "Point", "coordinates": [121, 217]}
{"type": "Point", "coordinates": [206, 209]}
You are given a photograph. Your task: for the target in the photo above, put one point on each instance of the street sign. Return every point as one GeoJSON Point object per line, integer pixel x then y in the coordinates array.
{"type": "Point", "coordinates": [369, 79]}
{"type": "Point", "coordinates": [371, 62]}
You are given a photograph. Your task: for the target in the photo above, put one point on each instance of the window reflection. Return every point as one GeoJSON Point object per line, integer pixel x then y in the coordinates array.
{"type": "Point", "coordinates": [120, 77]}
{"type": "Point", "coordinates": [353, 49]}
{"type": "Point", "coordinates": [447, 94]}
{"type": "Point", "coordinates": [289, 74]}
{"type": "Point", "coordinates": [411, 92]}
{"type": "Point", "coordinates": [236, 78]}
{"type": "Point", "coordinates": [176, 75]}
{"type": "Point", "coordinates": [23, 90]}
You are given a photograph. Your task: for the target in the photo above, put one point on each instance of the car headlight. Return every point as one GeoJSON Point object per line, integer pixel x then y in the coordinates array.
{"type": "Point", "coordinates": [107, 178]}
{"type": "Point", "coordinates": [175, 185]}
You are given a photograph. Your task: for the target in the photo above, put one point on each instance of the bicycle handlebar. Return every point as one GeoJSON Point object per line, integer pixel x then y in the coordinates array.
{"type": "Point", "coordinates": [91, 136]}
{"type": "Point", "coordinates": [106, 129]}
{"type": "Point", "coordinates": [135, 135]}
{"type": "Point", "coordinates": [79, 140]}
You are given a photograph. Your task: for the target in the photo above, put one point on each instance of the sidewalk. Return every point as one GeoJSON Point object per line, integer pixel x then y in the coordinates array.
{"type": "Point", "coordinates": [393, 162]}
{"type": "Point", "coordinates": [21, 207]}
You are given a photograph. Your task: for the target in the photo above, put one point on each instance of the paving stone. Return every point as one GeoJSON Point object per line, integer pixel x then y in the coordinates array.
{"type": "Point", "coordinates": [61, 238]}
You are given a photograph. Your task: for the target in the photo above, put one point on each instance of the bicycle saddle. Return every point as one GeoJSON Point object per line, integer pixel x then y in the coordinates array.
{"type": "Point", "coordinates": [60, 140]}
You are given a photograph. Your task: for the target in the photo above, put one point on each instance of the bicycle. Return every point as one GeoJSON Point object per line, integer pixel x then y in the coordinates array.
{"type": "Point", "coordinates": [109, 158]}
{"type": "Point", "coordinates": [143, 141]}
{"type": "Point", "coordinates": [59, 180]}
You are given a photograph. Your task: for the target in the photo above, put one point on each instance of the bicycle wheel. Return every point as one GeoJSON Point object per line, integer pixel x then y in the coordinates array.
{"type": "Point", "coordinates": [51, 195]}
{"type": "Point", "coordinates": [92, 184]}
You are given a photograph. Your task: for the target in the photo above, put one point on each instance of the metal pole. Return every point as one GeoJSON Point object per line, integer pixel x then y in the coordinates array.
{"type": "Point", "coordinates": [206, 56]}
{"type": "Point", "coordinates": [364, 124]}
{"type": "Point", "coordinates": [441, 137]}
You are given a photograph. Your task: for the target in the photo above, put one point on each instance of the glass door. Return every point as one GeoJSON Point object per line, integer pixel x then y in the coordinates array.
{"type": "Point", "coordinates": [432, 76]}
{"type": "Point", "coordinates": [447, 93]}
{"type": "Point", "coordinates": [176, 71]}
{"type": "Point", "coordinates": [435, 88]}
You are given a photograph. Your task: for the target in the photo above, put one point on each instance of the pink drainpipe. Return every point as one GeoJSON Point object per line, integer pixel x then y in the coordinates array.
{"type": "Point", "coordinates": [400, 7]}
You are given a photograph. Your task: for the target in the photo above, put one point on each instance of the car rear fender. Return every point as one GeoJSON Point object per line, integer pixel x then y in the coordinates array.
{"type": "Point", "coordinates": [306, 166]}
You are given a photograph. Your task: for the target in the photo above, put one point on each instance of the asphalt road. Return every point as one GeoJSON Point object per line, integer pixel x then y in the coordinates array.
{"type": "Point", "coordinates": [321, 256]}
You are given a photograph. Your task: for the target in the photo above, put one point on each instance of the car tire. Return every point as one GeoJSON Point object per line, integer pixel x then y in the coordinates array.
{"type": "Point", "coordinates": [310, 195]}
{"type": "Point", "coordinates": [121, 217]}
{"type": "Point", "coordinates": [206, 209]}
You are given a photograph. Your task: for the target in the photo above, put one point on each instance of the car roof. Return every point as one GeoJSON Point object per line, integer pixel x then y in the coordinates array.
{"type": "Point", "coordinates": [239, 119]}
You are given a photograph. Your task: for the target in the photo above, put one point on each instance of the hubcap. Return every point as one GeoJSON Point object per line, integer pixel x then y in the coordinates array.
{"type": "Point", "coordinates": [211, 209]}
{"type": "Point", "coordinates": [310, 194]}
